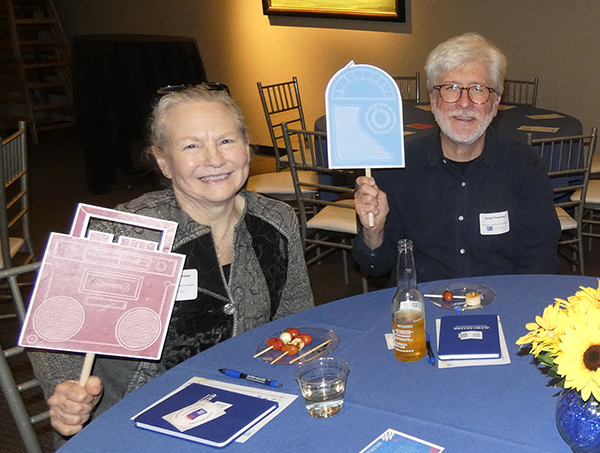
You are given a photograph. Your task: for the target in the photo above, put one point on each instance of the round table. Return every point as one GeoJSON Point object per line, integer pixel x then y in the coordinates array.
{"type": "Point", "coordinates": [503, 408]}
{"type": "Point", "coordinates": [418, 119]}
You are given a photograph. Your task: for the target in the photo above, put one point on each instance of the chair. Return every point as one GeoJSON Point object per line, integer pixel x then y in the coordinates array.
{"type": "Point", "coordinates": [520, 92]}
{"type": "Point", "coordinates": [569, 160]}
{"type": "Point", "coordinates": [410, 87]}
{"type": "Point", "coordinates": [326, 207]}
{"type": "Point", "coordinates": [281, 102]}
{"type": "Point", "coordinates": [14, 204]}
{"type": "Point", "coordinates": [12, 391]}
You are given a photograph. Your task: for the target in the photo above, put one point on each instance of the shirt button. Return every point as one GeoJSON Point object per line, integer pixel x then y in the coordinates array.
{"type": "Point", "coordinates": [372, 266]}
{"type": "Point", "coordinates": [463, 184]}
{"type": "Point", "coordinates": [461, 218]}
{"type": "Point", "coordinates": [462, 251]}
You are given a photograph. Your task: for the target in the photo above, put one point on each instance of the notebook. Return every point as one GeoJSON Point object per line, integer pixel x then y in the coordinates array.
{"type": "Point", "coordinates": [469, 337]}
{"type": "Point", "coordinates": [205, 414]}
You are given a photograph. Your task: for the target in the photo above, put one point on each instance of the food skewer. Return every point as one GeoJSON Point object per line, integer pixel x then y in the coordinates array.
{"type": "Point", "coordinates": [262, 352]}
{"type": "Point", "coordinates": [441, 296]}
{"type": "Point", "coordinates": [310, 351]}
{"type": "Point", "coordinates": [277, 358]}
{"type": "Point", "coordinates": [272, 343]}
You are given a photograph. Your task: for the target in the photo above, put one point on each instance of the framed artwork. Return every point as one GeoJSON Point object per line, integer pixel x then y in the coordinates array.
{"type": "Point", "coordinates": [387, 10]}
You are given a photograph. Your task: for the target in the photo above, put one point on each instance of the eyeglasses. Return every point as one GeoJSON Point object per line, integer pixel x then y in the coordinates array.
{"type": "Point", "coordinates": [451, 92]}
{"type": "Point", "coordinates": [212, 86]}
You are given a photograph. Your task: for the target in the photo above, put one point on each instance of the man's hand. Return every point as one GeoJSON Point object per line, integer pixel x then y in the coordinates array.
{"type": "Point", "coordinates": [72, 404]}
{"type": "Point", "coordinates": [369, 199]}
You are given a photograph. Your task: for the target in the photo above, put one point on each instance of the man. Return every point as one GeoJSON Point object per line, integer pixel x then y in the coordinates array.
{"type": "Point", "coordinates": [474, 202]}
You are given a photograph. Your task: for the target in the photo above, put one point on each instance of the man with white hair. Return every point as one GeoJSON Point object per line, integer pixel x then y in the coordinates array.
{"type": "Point", "coordinates": [474, 202]}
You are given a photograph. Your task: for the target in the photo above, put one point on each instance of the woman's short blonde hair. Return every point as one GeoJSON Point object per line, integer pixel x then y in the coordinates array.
{"type": "Point", "coordinates": [157, 127]}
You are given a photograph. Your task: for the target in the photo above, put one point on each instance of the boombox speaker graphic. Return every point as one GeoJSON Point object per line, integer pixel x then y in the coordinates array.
{"type": "Point", "coordinates": [100, 296]}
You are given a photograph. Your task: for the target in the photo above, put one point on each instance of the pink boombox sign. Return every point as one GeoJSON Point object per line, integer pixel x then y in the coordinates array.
{"type": "Point", "coordinates": [97, 296]}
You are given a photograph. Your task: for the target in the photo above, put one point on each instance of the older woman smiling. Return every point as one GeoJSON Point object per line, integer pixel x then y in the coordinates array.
{"type": "Point", "coordinates": [243, 250]}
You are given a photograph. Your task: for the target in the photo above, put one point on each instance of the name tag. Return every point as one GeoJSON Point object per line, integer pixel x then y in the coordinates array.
{"type": "Point", "coordinates": [188, 286]}
{"type": "Point", "coordinates": [494, 223]}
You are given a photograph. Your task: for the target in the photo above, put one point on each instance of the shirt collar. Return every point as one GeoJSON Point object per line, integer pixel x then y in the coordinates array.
{"type": "Point", "coordinates": [434, 152]}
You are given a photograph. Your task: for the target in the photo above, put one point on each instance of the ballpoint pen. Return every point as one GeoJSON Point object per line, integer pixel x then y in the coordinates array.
{"type": "Point", "coordinates": [429, 350]}
{"type": "Point", "coordinates": [249, 377]}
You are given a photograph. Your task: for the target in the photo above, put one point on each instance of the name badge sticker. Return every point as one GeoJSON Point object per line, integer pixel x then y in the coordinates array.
{"type": "Point", "coordinates": [494, 223]}
{"type": "Point", "coordinates": [188, 286]}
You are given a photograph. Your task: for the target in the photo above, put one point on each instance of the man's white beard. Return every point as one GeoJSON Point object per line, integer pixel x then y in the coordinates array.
{"type": "Point", "coordinates": [445, 126]}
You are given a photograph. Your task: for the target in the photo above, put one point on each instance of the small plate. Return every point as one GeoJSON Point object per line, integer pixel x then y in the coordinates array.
{"type": "Point", "coordinates": [318, 334]}
{"type": "Point", "coordinates": [460, 289]}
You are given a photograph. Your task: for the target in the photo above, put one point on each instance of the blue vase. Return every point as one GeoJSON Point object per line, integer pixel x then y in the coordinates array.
{"type": "Point", "coordinates": [578, 422]}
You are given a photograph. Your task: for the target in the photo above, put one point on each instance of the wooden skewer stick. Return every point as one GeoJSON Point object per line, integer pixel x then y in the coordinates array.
{"type": "Point", "coordinates": [371, 218]}
{"type": "Point", "coordinates": [309, 351]}
{"type": "Point", "coordinates": [441, 296]}
{"type": "Point", "coordinates": [281, 356]}
{"type": "Point", "coordinates": [263, 351]}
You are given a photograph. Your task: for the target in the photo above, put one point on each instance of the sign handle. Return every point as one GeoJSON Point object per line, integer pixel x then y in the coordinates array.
{"type": "Point", "coordinates": [371, 219]}
{"type": "Point", "coordinates": [87, 368]}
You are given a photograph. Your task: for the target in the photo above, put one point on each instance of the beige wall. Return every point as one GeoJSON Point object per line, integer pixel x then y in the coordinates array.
{"type": "Point", "coordinates": [556, 40]}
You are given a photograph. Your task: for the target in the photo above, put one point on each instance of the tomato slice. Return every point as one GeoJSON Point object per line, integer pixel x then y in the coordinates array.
{"type": "Point", "coordinates": [293, 332]}
{"type": "Point", "coordinates": [290, 349]}
{"type": "Point", "coordinates": [306, 338]}
{"type": "Point", "coordinates": [275, 343]}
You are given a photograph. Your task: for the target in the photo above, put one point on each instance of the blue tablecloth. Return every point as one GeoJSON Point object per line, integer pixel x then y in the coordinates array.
{"type": "Point", "coordinates": [506, 408]}
{"type": "Point", "coordinates": [506, 121]}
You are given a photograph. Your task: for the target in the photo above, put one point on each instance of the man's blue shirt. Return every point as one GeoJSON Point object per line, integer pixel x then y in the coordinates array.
{"type": "Point", "coordinates": [449, 212]}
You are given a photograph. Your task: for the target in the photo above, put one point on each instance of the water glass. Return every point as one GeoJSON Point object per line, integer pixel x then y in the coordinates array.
{"type": "Point", "coordinates": [323, 383]}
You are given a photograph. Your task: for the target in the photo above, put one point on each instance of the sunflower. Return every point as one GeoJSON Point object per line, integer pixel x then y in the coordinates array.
{"type": "Point", "coordinates": [545, 332]}
{"type": "Point", "coordinates": [579, 362]}
{"type": "Point", "coordinates": [586, 299]}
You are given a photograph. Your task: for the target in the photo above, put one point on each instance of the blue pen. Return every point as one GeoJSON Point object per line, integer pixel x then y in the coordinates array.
{"type": "Point", "coordinates": [249, 377]}
{"type": "Point", "coordinates": [429, 350]}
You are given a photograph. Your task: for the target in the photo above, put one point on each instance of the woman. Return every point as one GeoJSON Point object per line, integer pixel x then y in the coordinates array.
{"type": "Point", "coordinates": [245, 250]}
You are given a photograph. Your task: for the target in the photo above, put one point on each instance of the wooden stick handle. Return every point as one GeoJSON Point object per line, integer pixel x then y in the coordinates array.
{"type": "Point", "coordinates": [280, 357]}
{"type": "Point", "coordinates": [87, 368]}
{"type": "Point", "coordinates": [310, 351]}
{"type": "Point", "coordinates": [263, 351]}
{"type": "Point", "coordinates": [371, 218]}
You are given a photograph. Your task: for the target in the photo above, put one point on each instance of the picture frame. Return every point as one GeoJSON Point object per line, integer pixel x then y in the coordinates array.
{"type": "Point", "coordinates": [383, 10]}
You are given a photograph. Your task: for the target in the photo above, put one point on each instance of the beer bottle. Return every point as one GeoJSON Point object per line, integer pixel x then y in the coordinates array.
{"type": "Point", "coordinates": [408, 308]}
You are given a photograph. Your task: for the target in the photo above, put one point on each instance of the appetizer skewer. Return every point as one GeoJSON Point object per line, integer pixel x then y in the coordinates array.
{"type": "Point", "coordinates": [309, 351]}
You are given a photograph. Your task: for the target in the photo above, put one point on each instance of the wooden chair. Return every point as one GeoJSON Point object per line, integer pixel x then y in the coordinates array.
{"type": "Point", "coordinates": [11, 389]}
{"type": "Point", "coordinates": [520, 92]}
{"type": "Point", "coordinates": [281, 103]}
{"type": "Point", "coordinates": [15, 237]}
{"type": "Point", "coordinates": [410, 87]}
{"type": "Point", "coordinates": [568, 160]}
{"type": "Point", "coordinates": [326, 207]}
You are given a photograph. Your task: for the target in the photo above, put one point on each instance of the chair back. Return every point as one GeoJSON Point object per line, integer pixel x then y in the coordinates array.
{"type": "Point", "coordinates": [410, 87]}
{"type": "Point", "coordinates": [568, 161]}
{"type": "Point", "coordinates": [14, 204]}
{"type": "Point", "coordinates": [281, 104]}
{"type": "Point", "coordinates": [328, 203]}
{"type": "Point", "coordinates": [11, 389]}
{"type": "Point", "coordinates": [520, 92]}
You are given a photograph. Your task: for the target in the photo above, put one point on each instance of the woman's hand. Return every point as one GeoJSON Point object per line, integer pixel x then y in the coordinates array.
{"type": "Point", "coordinates": [72, 404]}
{"type": "Point", "coordinates": [369, 199]}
